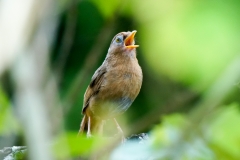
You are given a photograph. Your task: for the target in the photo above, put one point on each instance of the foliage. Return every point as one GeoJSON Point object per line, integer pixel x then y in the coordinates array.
{"type": "Point", "coordinates": [216, 137]}
{"type": "Point", "coordinates": [189, 102]}
{"type": "Point", "coordinates": [70, 144]}
{"type": "Point", "coordinates": [8, 124]}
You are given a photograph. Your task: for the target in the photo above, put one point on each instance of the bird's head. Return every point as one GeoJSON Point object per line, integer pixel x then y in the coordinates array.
{"type": "Point", "coordinates": [123, 42]}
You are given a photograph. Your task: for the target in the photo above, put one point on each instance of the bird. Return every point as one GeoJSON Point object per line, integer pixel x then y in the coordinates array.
{"type": "Point", "coordinates": [113, 87]}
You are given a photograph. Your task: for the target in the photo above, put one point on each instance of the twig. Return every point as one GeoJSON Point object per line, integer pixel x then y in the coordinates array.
{"type": "Point", "coordinates": [29, 76]}
{"type": "Point", "coordinates": [177, 101]}
{"type": "Point", "coordinates": [218, 92]}
{"type": "Point", "coordinates": [67, 40]}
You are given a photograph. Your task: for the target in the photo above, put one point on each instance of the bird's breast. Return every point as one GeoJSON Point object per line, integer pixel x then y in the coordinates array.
{"type": "Point", "coordinates": [124, 81]}
{"type": "Point", "coordinates": [119, 89]}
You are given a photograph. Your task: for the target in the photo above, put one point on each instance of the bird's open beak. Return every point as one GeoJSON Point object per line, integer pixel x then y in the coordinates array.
{"type": "Point", "coordinates": [129, 41]}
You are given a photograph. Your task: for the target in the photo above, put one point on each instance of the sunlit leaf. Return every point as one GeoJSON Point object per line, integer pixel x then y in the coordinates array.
{"type": "Point", "coordinates": [189, 42]}
{"type": "Point", "coordinates": [107, 8]}
{"type": "Point", "coordinates": [8, 123]}
{"type": "Point", "coordinates": [70, 144]}
{"type": "Point", "coordinates": [225, 133]}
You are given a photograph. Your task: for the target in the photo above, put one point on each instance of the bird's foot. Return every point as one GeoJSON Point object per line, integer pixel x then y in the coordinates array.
{"type": "Point", "coordinates": [120, 136]}
{"type": "Point", "coordinates": [120, 133]}
{"type": "Point", "coordinates": [89, 135]}
{"type": "Point", "coordinates": [123, 139]}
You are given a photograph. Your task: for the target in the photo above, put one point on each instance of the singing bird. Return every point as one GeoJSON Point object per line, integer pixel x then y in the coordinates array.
{"type": "Point", "coordinates": [114, 85]}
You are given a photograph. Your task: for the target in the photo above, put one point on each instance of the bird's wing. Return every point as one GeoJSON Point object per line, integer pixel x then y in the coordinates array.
{"type": "Point", "coordinates": [94, 86]}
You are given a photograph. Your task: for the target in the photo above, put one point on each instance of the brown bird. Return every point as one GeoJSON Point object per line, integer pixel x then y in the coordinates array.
{"type": "Point", "coordinates": [114, 85]}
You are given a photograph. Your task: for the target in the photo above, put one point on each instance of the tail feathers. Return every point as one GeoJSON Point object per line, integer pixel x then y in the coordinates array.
{"type": "Point", "coordinates": [96, 126]}
{"type": "Point", "coordinates": [83, 126]}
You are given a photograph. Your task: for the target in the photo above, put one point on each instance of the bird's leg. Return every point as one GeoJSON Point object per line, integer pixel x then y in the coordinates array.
{"type": "Point", "coordinates": [89, 127]}
{"type": "Point", "coordinates": [82, 125]}
{"type": "Point", "coordinates": [120, 131]}
{"type": "Point", "coordinates": [100, 129]}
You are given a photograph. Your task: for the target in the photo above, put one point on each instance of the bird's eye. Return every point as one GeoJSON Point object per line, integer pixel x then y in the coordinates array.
{"type": "Point", "coordinates": [119, 40]}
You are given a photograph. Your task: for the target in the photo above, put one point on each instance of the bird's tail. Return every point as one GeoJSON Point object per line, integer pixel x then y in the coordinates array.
{"type": "Point", "coordinates": [83, 125]}
{"type": "Point", "coordinates": [96, 125]}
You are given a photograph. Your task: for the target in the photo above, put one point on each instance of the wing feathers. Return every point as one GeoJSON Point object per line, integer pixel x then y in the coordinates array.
{"type": "Point", "coordinates": [94, 86]}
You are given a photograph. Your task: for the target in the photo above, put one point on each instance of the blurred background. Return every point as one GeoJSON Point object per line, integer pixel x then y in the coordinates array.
{"type": "Point", "coordinates": [189, 53]}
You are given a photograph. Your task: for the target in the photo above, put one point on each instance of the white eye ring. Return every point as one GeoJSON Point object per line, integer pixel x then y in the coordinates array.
{"type": "Point", "coordinates": [118, 40]}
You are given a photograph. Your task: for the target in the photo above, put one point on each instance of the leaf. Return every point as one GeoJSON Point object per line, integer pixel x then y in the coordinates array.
{"type": "Point", "coordinates": [70, 144]}
{"type": "Point", "coordinates": [225, 132]}
{"type": "Point", "coordinates": [107, 8]}
{"type": "Point", "coordinates": [8, 123]}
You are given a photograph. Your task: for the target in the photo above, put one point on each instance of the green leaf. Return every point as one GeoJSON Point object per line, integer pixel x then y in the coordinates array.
{"type": "Point", "coordinates": [189, 42]}
{"type": "Point", "coordinates": [70, 144]}
{"type": "Point", "coordinates": [107, 8]}
{"type": "Point", "coordinates": [8, 123]}
{"type": "Point", "coordinates": [225, 132]}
